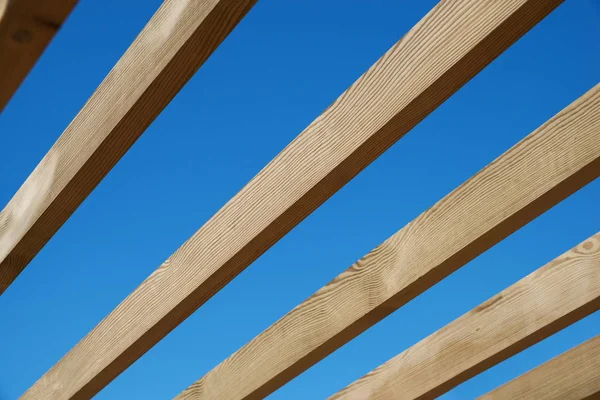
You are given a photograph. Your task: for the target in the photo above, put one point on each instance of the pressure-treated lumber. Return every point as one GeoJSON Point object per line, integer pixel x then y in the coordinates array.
{"type": "Point", "coordinates": [26, 28]}
{"type": "Point", "coordinates": [548, 300]}
{"type": "Point", "coordinates": [544, 168]}
{"type": "Point", "coordinates": [172, 46]}
{"type": "Point", "coordinates": [447, 48]}
{"type": "Point", "coordinates": [573, 375]}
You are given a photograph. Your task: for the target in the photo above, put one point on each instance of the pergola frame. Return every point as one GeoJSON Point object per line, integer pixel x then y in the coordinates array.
{"type": "Point", "coordinates": [448, 47]}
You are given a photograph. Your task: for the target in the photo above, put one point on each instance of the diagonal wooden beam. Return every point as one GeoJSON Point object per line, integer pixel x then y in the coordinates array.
{"type": "Point", "coordinates": [548, 300]}
{"type": "Point", "coordinates": [544, 168]}
{"type": "Point", "coordinates": [573, 375]}
{"type": "Point", "coordinates": [441, 53]}
{"type": "Point", "coordinates": [26, 28]}
{"type": "Point", "coordinates": [174, 44]}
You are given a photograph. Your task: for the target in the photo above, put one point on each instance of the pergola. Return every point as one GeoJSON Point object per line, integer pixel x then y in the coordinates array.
{"type": "Point", "coordinates": [448, 47]}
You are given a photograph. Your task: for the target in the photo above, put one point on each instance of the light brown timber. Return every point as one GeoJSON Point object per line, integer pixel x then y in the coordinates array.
{"type": "Point", "coordinates": [174, 44]}
{"type": "Point", "coordinates": [26, 28]}
{"type": "Point", "coordinates": [541, 170]}
{"type": "Point", "coordinates": [447, 48]}
{"type": "Point", "coordinates": [573, 375]}
{"type": "Point", "coordinates": [546, 301]}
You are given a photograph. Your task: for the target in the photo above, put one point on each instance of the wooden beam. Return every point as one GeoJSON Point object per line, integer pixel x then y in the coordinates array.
{"type": "Point", "coordinates": [446, 49]}
{"type": "Point", "coordinates": [548, 300]}
{"type": "Point", "coordinates": [174, 44]}
{"type": "Point", "coordinates": [26, 28]}
{"type": "Point", "coordinates": [573, 375]}
{"type": "Point", "coordinates": [544, 168]}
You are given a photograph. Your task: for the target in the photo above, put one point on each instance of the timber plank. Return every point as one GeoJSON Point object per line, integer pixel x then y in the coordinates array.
{"type": "Point", "coordinates": [447, 48]}
{"type": "Point", "coordinates": [539, 305]}
{"type": "Point", "coordinates": [541, 170]}
{"type": "Point", "coordinates": [26, 28]}
{"type": "Point", "coordinates": [573, 375]}
{"type": "Point", "coordinates": [174, 44]}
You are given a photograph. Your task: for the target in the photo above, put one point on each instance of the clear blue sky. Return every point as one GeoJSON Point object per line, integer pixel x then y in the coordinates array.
{"type": "Point", "coordinates": [283, 65]}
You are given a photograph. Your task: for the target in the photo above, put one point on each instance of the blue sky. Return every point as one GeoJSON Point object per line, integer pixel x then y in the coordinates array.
{"type": "Point", "coordinates": [280, 68]}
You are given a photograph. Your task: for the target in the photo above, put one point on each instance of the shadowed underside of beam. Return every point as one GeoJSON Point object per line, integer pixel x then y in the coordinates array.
{"type": "Point", "coordinates": [548, 300]}
{"type": "Point", "coordinates": [543, 169]}
{"type": "Point", "coordinates": [26, 28]}
{"type": "Point", "coordinates": [573, 375]}
{"type": "Point", "coordinates": [174, 44]}
{"type": "Point", "coordinates": [446, 49]}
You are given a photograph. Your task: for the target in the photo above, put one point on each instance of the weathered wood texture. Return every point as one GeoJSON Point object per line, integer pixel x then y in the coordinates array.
{"type": "Point", "coordinates": [173, 45]}
{"type": "Point", "coordinates": [544, 168]}
{"type": "Point", "coordinates": [447, 48]}
{"type": "Point", "coordinates": [546, 301]}
{"type": "Point", "coordinates": [26, 28]}
{"type": "Point", "coordinates": [573, 375]}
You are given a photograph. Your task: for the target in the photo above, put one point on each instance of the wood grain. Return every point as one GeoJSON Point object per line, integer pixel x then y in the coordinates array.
{"type": "Point", "coordinates": [544, 168]}
{"type": "Point", "coordinates": [174, 44]}
{"type": "Point", "coordinates": [573, 375]}
{"type": "Point", "coordinates": [447, 48]}
{"type": "Point", "coordinates": [26, 28]}
{"type": "Point", "coordinates": [546, 301]}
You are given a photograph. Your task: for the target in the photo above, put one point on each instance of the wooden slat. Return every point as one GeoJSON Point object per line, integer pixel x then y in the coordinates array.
{"type": "Point", "coordinates": [573, 375]}
{"type": "Point", "coordinates": [26, 28]}
{"type": "Point", "coordinates": [544, 168]}
{"type": "Point", "coordinates": [447, 48]}
{"type": "Point", "coordinates": [548, 300]}
{"type": "Point", "coordinates": [174, 44]}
